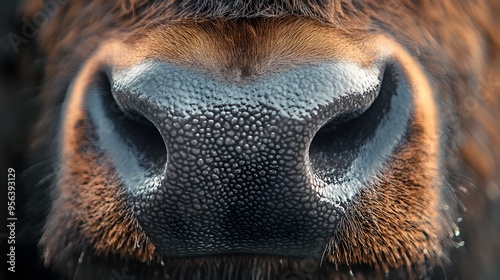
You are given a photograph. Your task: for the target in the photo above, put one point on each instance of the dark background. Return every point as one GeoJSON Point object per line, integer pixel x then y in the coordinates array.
{"type": "Point", "coordinates": [19, 106]}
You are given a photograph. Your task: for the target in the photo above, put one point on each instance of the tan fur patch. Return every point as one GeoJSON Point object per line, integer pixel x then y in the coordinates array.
{"type": "Point", "coordinates": [255, 47]}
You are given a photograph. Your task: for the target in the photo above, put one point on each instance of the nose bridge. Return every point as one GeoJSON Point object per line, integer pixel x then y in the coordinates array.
{"type": "Point", "coordinates": [305, 92]}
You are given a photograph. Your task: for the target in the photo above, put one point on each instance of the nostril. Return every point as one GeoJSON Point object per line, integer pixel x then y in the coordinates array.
{"type": "Point", "coordinates": [346, 110]}
{"type": "Point", "coordinates": [132, 115]}
{"type": "Point", "coordinates": [338, 141]}
{"type": "Point", "coordinates": [125, 106]}
{"type": "Point", "coordinates": [133, 142]}
{"type": "Point", "coordinates": [351, 151]}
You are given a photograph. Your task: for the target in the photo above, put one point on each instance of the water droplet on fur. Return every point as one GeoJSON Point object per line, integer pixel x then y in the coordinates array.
{"type": "Point", "coordinates": [459, 219]}
{"type": "Point", "coordinates": [162, 263]}
{"type": "Point", "coordinates": [493, 191]}
{"type": "Point", "coordinates": [80, 259]}
{"type": "Point", "coordinates": [46, 264]}
{"type": "Point", "coordinates": [459, 244]}
{"type": "Point", "coordinates": [457, 231]}
{"type": "Point", "coordinates": [463, 190]}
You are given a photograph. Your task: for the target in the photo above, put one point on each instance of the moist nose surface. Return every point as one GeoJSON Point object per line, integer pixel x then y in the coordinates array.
{"type": "Point", "coordinates": [237, 177]}
{"type": "Point", "coordinates": [237, 180]}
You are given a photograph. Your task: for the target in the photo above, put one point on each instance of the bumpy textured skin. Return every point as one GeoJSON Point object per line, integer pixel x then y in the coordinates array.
{"type": "Point", "coordinates": [93, 218]}
{"type": "Point", "coordinates": [237, 175]}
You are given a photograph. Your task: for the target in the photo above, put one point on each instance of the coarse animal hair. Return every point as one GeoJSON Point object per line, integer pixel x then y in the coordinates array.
{"type": "Point", "coordinates": [456, 42]}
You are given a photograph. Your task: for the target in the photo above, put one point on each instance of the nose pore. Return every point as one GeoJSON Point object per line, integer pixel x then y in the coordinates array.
{"type": "Point", "coordinates": [237, 175]}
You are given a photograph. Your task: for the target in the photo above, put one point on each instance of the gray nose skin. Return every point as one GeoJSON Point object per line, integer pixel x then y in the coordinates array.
{"type": "Point", "coordinates": [216, 167]}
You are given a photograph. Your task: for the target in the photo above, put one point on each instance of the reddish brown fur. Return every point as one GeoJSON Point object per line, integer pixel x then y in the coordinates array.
{"type": "Point", "coordinates": [93, 205]}
{"type": "Point", "coordinates": [201, 48]}
{"type": "Point", "coordinates": [455, 41]}
{"type": "Point", "coordinates": [398, 222]}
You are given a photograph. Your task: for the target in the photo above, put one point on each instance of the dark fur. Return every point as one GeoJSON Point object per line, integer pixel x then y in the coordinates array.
{"type": "Point", "coordinates": [458, 43]}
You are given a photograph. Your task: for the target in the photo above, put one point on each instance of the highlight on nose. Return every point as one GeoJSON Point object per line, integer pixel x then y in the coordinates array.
{"type": "Point", "coordinates": [261, 166]}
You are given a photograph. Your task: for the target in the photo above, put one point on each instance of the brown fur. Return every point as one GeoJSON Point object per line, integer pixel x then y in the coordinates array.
{"type": "Point", "coordinates": [408, 224]}
{"type": "Point", "coordinates": [201, 48]}
{"type": "Point", "coordinates": [93, 202]}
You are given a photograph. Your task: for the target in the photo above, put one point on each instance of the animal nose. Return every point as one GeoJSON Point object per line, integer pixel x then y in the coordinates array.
{"type": "Point", "coordinates": [229, 167]}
